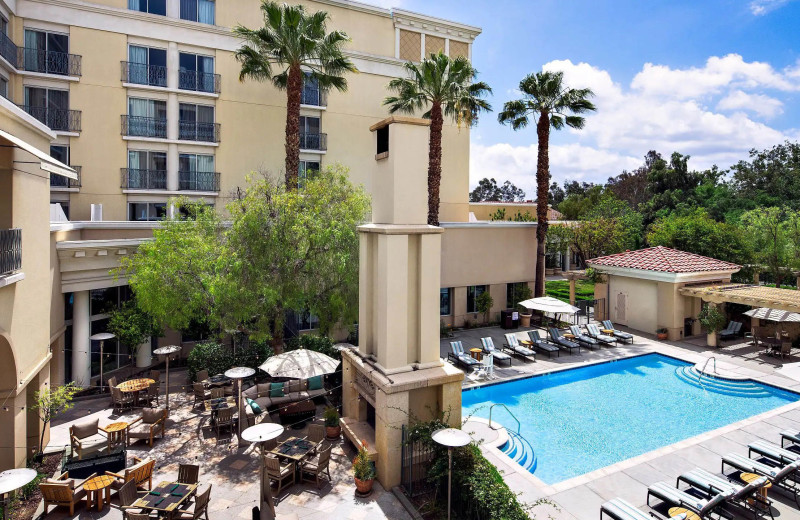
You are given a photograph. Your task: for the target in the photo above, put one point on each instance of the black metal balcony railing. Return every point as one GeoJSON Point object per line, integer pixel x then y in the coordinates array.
{"type": "Point", "coordinates": [58, 119]}
{"type": "Point", "coordinates": [49, 62]}
{"type": "Point", "coordinates": [194, 131]}
{"type": "Point", "coordinates": [312, 97]}
{"type": "Point", "coordinates": [199, 81]}
{"type": "Point", "coordinates": [10, 250]}
{"type": "Point", "coordinates": [198, 181]}
{"type": "Point", "coordinates": [8, 50]}
{"type": "Point", "coordinates": [144, 126]}
{"type": "Point", "coordinates": [313, 141]}
{"type": "Point", "coordinates": [59, 181]}
{"type": "Point", "coordinates": [139, 179]}
{"type": "Point", "coordinates": [143, 74]}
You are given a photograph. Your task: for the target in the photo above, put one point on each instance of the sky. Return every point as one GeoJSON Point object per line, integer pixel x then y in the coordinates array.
{"type": "Point", "coordinates": [707, 78]}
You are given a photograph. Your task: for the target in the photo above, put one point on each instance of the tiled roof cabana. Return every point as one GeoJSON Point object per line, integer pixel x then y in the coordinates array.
{"type": "Point", "coordinates": [753, 295]}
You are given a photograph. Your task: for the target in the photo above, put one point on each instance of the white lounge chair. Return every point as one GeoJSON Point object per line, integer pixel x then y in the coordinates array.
{"type": "Point", "coordinates": [512, 344]}
{"type": "Point", "coordinates": [459, 357]}
{"type": "Point", "coordinates": [489, 348]}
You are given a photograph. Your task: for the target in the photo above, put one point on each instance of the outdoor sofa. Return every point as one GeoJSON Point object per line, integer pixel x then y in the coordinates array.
{"type": "Point", "coordinates": [267, 395]}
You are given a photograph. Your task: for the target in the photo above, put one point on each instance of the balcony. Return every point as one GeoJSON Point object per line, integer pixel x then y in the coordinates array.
{"type": "Point", "coordinates": [139, 179]}
{"type": "Point", "coordinates": [10, 251]}
{"type": "Point", "coordinates": [137, 126]}
{"type": "Point", "coordinates": [8, 50]}
{"type": "Point", "coordinates": [143, 74]}
{"type": "Point", "coordinates": [57, 119]}
{"type": "Point", "coordinates": [314, 142]}
{"type": "Point", "coordinates": [48, 62]}
{"type": "Point", "coordinates": [59, 181]}
{"type": "Point", "coordinates": [198, 181]}
{"type": "Point", "coordinates": [314, 98]}
{"type": "Point", "coordinates": [199, 81]}
{"type": "Point", "coordinates": [194, 131]}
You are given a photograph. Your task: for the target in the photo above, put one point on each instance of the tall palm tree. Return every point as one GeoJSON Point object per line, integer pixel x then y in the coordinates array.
{"type": "Point", "coordinates": [550, 104]}
{"type": "Point", "coordinates": [293, 41]}
{"type": "Point", "coordinates": [444, 86]}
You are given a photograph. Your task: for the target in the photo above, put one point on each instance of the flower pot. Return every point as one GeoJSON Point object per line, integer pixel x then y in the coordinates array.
{"type": "Point", "coordinates": [549, 271]}
{"type": "Point", "coordinates": [711, 339]}
{"type": "Point", "coordinates": [333, 432]}
{"type": "Point", "coordinates": [525, 320]}
{"type": "Point", "coordinates": [662, 335]}
{"type": "Point", "coordinates": [364, 487]}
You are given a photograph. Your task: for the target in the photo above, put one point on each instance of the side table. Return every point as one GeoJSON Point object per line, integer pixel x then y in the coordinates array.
{"type": "Point", "coordinates": [689, 515]}
{"type": "Point", "coordinates": [116, 433]}
{"type": "Point", "coordinates": [476, 353]}
{"type": "Point", "coordinates": [98, 491]}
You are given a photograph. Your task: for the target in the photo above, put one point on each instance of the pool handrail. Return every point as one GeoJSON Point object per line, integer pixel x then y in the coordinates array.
{"type": "Point", "coordinates": [519, 426]}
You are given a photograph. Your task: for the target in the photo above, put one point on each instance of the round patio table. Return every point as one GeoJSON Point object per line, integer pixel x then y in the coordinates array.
{"type": "Point", "coordinates": [749, 477]}
{"type": "Point", "coordinates": [135, 385]}
{"type": "Point", "coordinates": [476, 353]}
{"type": "Point", "coordinates": [675, 511]}
{"type": "Point", "coordinates": [98, 491]}
{"type": "Point", "coordinates": [115, 432]}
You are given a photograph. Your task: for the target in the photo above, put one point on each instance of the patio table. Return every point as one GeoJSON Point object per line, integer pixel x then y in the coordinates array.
{"type": "Point", "coordinates": [115, 433]}
{"type": "Point", "coordinates": [295, 450]}
{"type": "Point", "coordinates": [135, 385]}
{"type": "Point", "coordinates": [166, 497]}
{"type": "Point", "coordinates": [98, 491]}
{"type": "Point", "coordinates": [218, 380]}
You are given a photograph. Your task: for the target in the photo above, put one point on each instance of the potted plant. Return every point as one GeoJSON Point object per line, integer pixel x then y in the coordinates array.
{"type": "Point", "coordinates": [521, 294]}
{"type": "Point", "coordinates": [711, 321]}
{"type": "Point", "coordinates": [484, 303]}
{"type": "Point", "coordinates": [661, 333]}
{"type": "Point", "coordinates": [332, 427]}
{"type": "Point", "coordinates": [363, 471]}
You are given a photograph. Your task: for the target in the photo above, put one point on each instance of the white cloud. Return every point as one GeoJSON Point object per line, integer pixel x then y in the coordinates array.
{"type": "Point", "coordinates": [760, 104]}
{"type": "Point", "coordinates": [762, 7]}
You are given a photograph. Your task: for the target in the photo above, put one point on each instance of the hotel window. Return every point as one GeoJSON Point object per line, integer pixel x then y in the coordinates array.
{"type": "Point", "coordinates": [60, 152]}
{"type": "Point", "coordinates": [473, 291]}
{"type": "Point", "coordinates": [310, 133]}
{"type": "Point", "coordinates": [147, 66]}
{"type": "Point", "coordinates": [149, 6]}
{"type": "Point", "coordinates": [147, 170]}
{"type": "Point", "coordinates": [49, 106]}
{"type": "Point", "coordinates": [198, 11]}
{"type": "Point", "coordinates": [196, 172]}
{"type": "Point", "coordinates": [147, 118]}
{"type": "Point", "coordinates": [3, 87]}
{"type": "Point", "coordinates": [311, 92]}
{"type": "Point", "coordinates": [147, 211]}
{"type": "Point", "coordinates": [307, 170]}
{"type": "Point", "coordinates": [46, 52]}
{"type": "Point", "coordinates": [196, 122]}
{"type": "Point", "coordinates": [445, 301]}
{"type": "Point", "coordinates": [514, 293]}
{"type": "Point", "coordinates": [196, 72]}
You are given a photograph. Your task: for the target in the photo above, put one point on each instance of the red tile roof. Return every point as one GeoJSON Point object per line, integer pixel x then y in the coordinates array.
{"type": "Point", "coordinates": [665, 260]}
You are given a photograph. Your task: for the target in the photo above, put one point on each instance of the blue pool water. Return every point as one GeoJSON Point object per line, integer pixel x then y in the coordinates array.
{"type": "Point", "coordinates": [579, 420]}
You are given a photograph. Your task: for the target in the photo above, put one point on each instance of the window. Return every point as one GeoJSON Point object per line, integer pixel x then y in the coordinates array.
{"type": "Point", "coordinates": [3, 87]}
{"type": "Point", "coordinates": [149, 6]}
{"type": "Point", "coordinates": [445, 301]}
{"type": "Point", "coordinates": [196, 122]}
{"type": "Point", "coordinates": [311, 93]}
{"type": "Point", "coordinates": [190, 212]}
{"type": "Point", "coordinates": [147, 66]}
{"type": "Point", "coordinates": [49, 106]}
{"type": "Point", "coordinates": [196, 172]}
{"type": "Point", "coordinates": [307, 171]}
{"type": "Point", "coordinates": [473, 291]}
{"type": "Point", "coordinates": [306, 321]}
{"type": "Point", "coordinates": [196, 73]}
{"type": "Point", "coordinates": [198, 11]}
{"type": "Point", "coordinates": [46, 52]}
{"type": "Point", "coordinates": [3, 26]}
{"type": "Point", "coordinates": [60, 152]}
{"type": "Point", "coordinates": [383, 140]}
{"type": "Point", "coordinates": [147, 118]}
{"type": "Point", "coordinates": [147, 170]}
{"type": "Point", "coordinates": [64, 204]}
{"type": "Point", "coordinates": [309, 133]}
{"type": "Point", "coordinates": [514, 294]}
{"type": "Point", "coordinates": [147, 211]}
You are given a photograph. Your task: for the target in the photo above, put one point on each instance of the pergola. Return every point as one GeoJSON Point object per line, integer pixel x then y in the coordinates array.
{"type": "Point", "coordinates": [746, 294]}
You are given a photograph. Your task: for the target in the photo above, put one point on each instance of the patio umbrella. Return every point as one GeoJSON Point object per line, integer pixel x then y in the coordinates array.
{"type": "Point", "coordinates": [765, 313]}
{"type": "Point", "coordinates": [299, 364]}
{"type": "Point", "coordinates": [549, 305]}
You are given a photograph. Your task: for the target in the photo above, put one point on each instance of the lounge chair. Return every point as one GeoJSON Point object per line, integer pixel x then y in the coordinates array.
{"type": "Point", "coordinates": [62, 491]}
{"type": "Point", "coordinates": [542, 344]}
{"type": "Point", "coordinates": [731, 331]}
{"type": "Point", "coordinates": [561, 341]}
{"type": "Point", "coordinates": [772, 452]}
{"type": "Point", "coordinates": [792, 436]}
{"type": "Point", "coordinates": [594, 332]}
{"type": "Point", "coordinates": [512, 345]}
{"type": "Point", "coordinates": [489, 348]}
{"type": "Point", "coordinates": [582, 338]}
{"type": "Point", "coordinates": [459, 357]}
{"type": "Point", "coordinates": [782, 477]}
{"type": "Point", "coordinates": [699, 506]}
{"type": "Point", "coordinates": [620, 509]}
{"type": "Point", "coordinates": [622, 336]}
{"type": "Point", "coordinates": [746, 497]}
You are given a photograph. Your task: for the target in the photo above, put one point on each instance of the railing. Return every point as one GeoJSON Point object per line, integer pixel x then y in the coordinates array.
{"type": "Point", "coordinates": [416, 458]}
{"type": "Point", "coordinates": [141, 179]}
{"type": "Point", "coordinates": [8, 49]}
{"type": "Point", "coordinates": [198, 181]}
{"type": "Point", "coordinates": [199, 81]}
{"type": "Point", "coordinates": [59, 181]}
{"type": "Point", "coordinates": [703, 370]}
{"type": "Point", "coordinates": [137, 126]}
{"type": "Point", "coordinates": [48, 62]}
{"type": "Point", "coordinates": [313, 141]}
{"type": "Point", "coordinates": [58, 119]}
{"type": "Point", "coordinates": [194, 131]}
{"type": "Point", "coordinates": [509, 413]}
{"type": "Point", "coordinates": [317, 98]}
{"type": "Point", "coordinates": [143, 74]}
{"type": "Point", "coordinates": [10, 250]}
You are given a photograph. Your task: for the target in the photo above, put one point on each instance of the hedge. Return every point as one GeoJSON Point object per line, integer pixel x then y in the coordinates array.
{"type": "Point", "coordinates": [217, 358]}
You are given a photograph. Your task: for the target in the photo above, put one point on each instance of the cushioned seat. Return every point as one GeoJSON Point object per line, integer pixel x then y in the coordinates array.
{"type": "Point", "coordinates": [294, 391]}
{"type": "Point", "coordinates": [87, 438]}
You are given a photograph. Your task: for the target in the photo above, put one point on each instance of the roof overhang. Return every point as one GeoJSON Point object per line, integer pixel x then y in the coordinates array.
{"type": "Point", "coordinates": [47, 163]}
{"type": "Point", "coordinates": [745, 294]}
{"type": "Point", "coordinates": [661, 276]}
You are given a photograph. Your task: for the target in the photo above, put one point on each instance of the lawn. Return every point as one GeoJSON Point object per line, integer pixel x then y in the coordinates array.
{"type": "Point", "coordinates": [560, 289]}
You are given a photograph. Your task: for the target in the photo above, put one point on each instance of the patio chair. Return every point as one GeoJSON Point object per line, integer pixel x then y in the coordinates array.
{"type": "Point", "coordinates": [488, 366]}
{"type": "Point", "coordinates": [316, 433]}
{"type": "Point", "coordinates": [112, 382]}
{"type": "Point", "coordinates": [561, 341]}
{"type": "Point", "coordinates": [279, 472]}
{"type": "Point", "coordinates": [87, 438]}
{"type": "Point", "coordinates": [699, 506]}
{"type": "Point", "coordinates": [62, 491]}
{"type": "Point", "coordinates": [201, 376]}
{"type": "Point", "coordinates": [583, 339]}
{"type": "Point", "coordinates": [731, 331]}
{"type": "Point", "coordinates": [200, 393]}
{"type": "Point", "coordinates": [746, 497]}
{"type": "Point", "coordinates": [620, 509]}
{"type": "Point", "coordinates": [488, 348]}
{"type": "Point", "coordinates": [772, 452]}
{"type": "Point", "coordinates": [225, 419]}
{"type": "Point", "coordinates": [197, 509]}
{"type": "Point", "coordinates": [127, 495]}
{"type": "Point", "coordinates": [148, 426]}
{"type": "Point", "coordinates": [188, 473]}
{"type": "Point", "coordinates": [317, 466]}
{"type": "Point", "coordinates": [121, 399]}
{"type": "Point", "coordinates": [790, 436]}
{"type": "Point", "coordinates": [623, 336]}
{"type": "Point", "coordinates": [217, 392]}
{"type": "Point", "coordinates": [459, 357]}
{"type": "Point", "coordinates": [150, 397]}
{"type": "Point", "coordinates": [513, 346]}
{"type": "Point", "coordinates": [155, 375]}
{"type": "Point", "coordinates": [542, 344]}
{"type": "Point", "coordinates": [594, 332]}
{"type": "Point", "coordinates": [141, 472]}
{"type": "Point", "coordinates": [783, 477]}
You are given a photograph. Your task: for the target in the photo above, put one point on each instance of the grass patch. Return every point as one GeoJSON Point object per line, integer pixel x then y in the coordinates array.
{"type": "Point", "coordinates": [584, 290]}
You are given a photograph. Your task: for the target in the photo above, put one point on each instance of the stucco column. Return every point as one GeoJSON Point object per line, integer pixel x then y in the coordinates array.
{"type": "Point", "coordinates": [81, 344]}
{"type": "Point", "coordinates": [143, 355]}
{"type": "Point", "coordinates": [13, 432]}
{"type": "Point", "coordinates": [391, 412]}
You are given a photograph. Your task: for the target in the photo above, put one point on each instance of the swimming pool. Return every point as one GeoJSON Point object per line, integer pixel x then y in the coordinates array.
{"type": "Point", "coordinates": [583, 419]}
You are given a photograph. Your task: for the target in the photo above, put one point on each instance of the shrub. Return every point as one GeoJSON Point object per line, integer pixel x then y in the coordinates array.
{"type": "Point", "coordinates": [321, 344]}
{"type": "Point", "coordinates": [484, 303]}
{"type": "Point", "coordinates": [217, 358]}
{"type": "Point", "coordinates": [711, 319]}
{"type": "Point", "coordinates": [363, 469]}
{"type": "Point", "coordinates": [331, 416]}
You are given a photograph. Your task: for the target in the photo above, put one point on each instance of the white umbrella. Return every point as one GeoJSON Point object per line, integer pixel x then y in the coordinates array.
{"type": "Point", "coordinates": [299, 364]}
{"type": "Point", "coordinates": [549, 305]}
{"type": "Point", "coordinates": [765, 313]}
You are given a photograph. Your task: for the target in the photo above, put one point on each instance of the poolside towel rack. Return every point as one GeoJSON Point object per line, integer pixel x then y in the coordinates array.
{"type": "Point", "coordinates": [509, 413]}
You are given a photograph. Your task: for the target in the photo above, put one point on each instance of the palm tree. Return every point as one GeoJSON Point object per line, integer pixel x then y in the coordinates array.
{"type": "Point", "coordinates": [293, 41]}
{"type": "Point", "coordinates": [549, 103]}
{"type": "Point", "coordinates": [444, 86]}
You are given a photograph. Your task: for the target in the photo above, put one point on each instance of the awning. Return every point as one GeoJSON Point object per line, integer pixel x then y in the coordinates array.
{"type": "Point", "coordinates": [48, 164]}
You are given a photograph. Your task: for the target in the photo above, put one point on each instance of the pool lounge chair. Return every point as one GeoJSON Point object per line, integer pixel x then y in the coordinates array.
{"type": "Point", "coordinates": [489, 348]}
{"type": "Point", "coordinates": [561, 341]}
{"type": "Point", "coordinates": [731, 331]}
{"type": "Point", "coordinates": [583, 339]}
{"type": "Point", "coordinates": [622, 336]}
{"type": "Point", "coordinates": [459, 357]}
{"type": "Point", "coordinates": [772, 452]}
{"type": "Point", "coordinates": [542, 344]}
{"type": "Point", "coordinates": [620, 509]}
{"type": "Point", "coordinates": [790, 436]}
{"type": "Point", "coordinates": [594, 332]}
{"type": "Point", "coordinates": [700, 506]}
{"type": "Point", "coordinates": [782, 477]}
{"type": "Point", "coordinates": [746, 497]}
{"type": "Point", "coordinates": [513, 346]}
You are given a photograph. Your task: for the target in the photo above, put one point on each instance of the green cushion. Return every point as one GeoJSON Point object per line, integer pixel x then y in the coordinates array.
{"type": "Point", "coordinates": [276, 390]}
{"type": "Point", "coordinates": [315, 383]}
{"type": "Point", "coordinates": [254, 406]}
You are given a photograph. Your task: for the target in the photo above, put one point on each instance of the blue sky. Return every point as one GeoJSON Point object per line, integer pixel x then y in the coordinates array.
{"type": "Point", "coordinates": [708, 78]}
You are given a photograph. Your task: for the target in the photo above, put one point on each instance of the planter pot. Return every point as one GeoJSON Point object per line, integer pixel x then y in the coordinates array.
{"type": "Point", "coordinates": [549, 271]}
{"type": "Point", "coordinates": [662, 335]}
{"type": "Point", "coordinates": [525, 320]}
{"type": "Point", "coordinates": [333, 432]}
{"type": "Point", "coordinates": [711, 339]}
{"type": "Point", "coordinates": [364, 487]}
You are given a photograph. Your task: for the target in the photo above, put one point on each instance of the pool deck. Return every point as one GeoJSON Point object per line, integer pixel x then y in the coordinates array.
{"type": "Point", "coordinates": [581, 497]}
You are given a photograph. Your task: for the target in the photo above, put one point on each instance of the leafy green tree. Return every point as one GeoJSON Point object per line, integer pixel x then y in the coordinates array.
{"type": "Point", "coordinates": [442, 87]}
{"type": "Point", "coordinates": [293, 41]}
{"type": "Point", "coordinates": [767, 231]}
{"type": "Point", "coordinates": [484, 303]}
{"type": "Point", "coordinates": [610, 227]}
{"type": "Point", "coordinates": [670, 185]}
{"type": "Point", "coordinates": [132, 326]}
{"type": "Point", "coordinates": [51, 402]}
{"type": "Point", "coordinates": [771, 177]}
{"type": "Point", "coordinates": [488, 191]}
{"type": "Point", "coordinates": [578, 205]}
{"type": "Point", "coordinates": [696, 232]}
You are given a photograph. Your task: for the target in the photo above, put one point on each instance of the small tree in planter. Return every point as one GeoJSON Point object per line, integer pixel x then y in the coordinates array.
{"type": "Point", "coordinates": [662, 333]}
{"type": "Point", "coordinates": [363, 471]}
{"type": "Point", "coordinates": [712, 321]}
{"type": "Point", "coordinates": [332, 427]}
{"type": "Point", "coordinates": [52, 402]}
{"type": "Point", "coordinates": [522, 293]}
{"type": "Point", "coordinates": [132, 326]}
{"type": "Point", "coordinates": [484, 303]}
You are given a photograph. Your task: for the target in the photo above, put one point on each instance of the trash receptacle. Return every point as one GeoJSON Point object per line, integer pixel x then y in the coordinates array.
{"type": "Point", "coordinates": [506, 319]}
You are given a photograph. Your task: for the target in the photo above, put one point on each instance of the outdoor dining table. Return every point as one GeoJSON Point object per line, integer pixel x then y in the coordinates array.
{"type": "Point", "coordinates": [295, 450]}
{"type": "Point", "coordinates": [218, 380]}
{"type": "Point", "coordinates": [214, 405]}
{"type": "Point", "coordinates": [166, 497]}
{"type": "Point", "coordinates": [135, 385]}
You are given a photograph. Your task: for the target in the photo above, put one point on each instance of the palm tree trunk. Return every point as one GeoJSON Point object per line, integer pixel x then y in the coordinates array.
{"type": "Point", "coordinates": [434, 164]}
{"type": "Point", "coordinates": [542, 189]}
{"type": "Point", "coordinates": [293, 94]}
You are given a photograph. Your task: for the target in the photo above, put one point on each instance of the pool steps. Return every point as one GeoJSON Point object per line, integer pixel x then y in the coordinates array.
{"type": "Point", "coordinates": [520, 451]}
{"type": "Point", "coordinates": [743, 388]}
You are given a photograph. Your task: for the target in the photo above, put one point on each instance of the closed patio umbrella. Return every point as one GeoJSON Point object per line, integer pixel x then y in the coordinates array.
{"type": "Point", "coordinates": [299, 364]}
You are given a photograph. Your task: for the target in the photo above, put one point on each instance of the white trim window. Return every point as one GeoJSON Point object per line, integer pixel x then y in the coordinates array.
{"type": "Point", "coordinates": [202, 11]}
{"type": "Point", "coordinates": [149, 6]}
